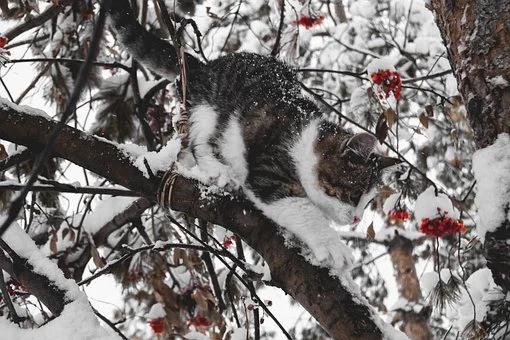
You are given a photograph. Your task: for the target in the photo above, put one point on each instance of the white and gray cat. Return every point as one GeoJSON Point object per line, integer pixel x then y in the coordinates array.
{"type": "Point", "coordinates": [250, 124]}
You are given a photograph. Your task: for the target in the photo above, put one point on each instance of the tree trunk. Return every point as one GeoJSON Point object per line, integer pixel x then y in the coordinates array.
{"type": "Point", "coordinates": [415, 322]}
{"type": "Point", "coordinates": [477, 38]}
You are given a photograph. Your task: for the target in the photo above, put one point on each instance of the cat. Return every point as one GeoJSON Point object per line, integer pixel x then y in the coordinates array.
{"type": "Point", "coordinates": [250, 126]}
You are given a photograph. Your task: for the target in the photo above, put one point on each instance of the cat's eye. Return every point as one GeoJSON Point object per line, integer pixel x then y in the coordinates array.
{"type": "Point", "coordinates": [355, 196]}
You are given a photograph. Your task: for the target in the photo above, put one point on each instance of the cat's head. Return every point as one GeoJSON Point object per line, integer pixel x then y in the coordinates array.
{"type": "Point", "coordinates": [350, 169]}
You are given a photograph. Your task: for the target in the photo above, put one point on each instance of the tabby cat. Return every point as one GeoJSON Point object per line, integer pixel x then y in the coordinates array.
{"type": "Point", "coordinates": [250, 126]}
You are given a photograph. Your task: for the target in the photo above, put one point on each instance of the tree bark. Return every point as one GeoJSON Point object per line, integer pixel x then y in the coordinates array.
{"type": "Point", "coordinates": [477, 38]}
{"type": "Point", "coordinates": [343, 314]}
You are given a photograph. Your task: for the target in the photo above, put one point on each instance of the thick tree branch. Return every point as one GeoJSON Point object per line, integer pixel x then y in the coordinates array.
{"type": "Point", "coordinates": [338, 310]}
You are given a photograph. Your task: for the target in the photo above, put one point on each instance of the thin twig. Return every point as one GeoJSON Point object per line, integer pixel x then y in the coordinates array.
{"type": "Point", "coordinates": [276, 46]}
{"type": "Point", "coordinates": [32, 83]}
{"type": "Point", "coordinates": [210, 267]}
{"type": "Point", "coordinates": [114, 64]}
{"type": "Point", "coordinates": [427, 76]}
{"type": "Point", "coordinates": [358, 75]}
{"type": "Point", "coordinates": [131, 252]}
{"type": "Point", "coordinates": [6, 89]}
{"type": "Point", "coordinates": [68, 188]}
{"type": "Point", "coordinates": [109, 323]}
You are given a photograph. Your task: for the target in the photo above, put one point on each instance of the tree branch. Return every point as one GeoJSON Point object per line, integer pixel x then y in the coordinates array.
{"type": "Point", "coordinates": [340, 311]}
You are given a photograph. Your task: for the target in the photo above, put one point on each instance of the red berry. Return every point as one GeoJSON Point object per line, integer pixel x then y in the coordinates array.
{"type": "Point", "coordinates": [3, 42]}
{"type": "Point", "coordinates": [157, 325]}
{"type": "Point", "coordinates": [308, 21]}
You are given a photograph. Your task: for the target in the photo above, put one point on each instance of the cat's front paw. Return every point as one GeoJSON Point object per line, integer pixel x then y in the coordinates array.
{"type": "Point", "coordinates": [222, 176]}
{"type": "Point", "coordinates": [333, 253]}
{"type": "Point", "coordinates": [227, 181]}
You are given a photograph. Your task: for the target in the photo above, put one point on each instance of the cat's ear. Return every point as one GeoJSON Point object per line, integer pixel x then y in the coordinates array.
{"type": "Point", "coordinates": [362, 143]}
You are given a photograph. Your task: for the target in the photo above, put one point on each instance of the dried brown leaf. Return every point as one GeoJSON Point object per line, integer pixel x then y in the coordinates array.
{"type": "Point", "coordinates": [200, 300]}
{"type": "Point", "coordinates": [391, 117]}
{"type": "Point", "coordinates": [429, 109]}
{"type": "Point", "coordinates": [97, 258]}
{"type": "Point", "coordinates": [179, 255]}
{"type": "Point", "coordinates": [53, 242]}
{"type": "Point", "coordinates": [371, 232]}
{"type": "Point", "coordinates": [3, 152]}
{"type": "Point", "coordinates": [424, 120]}
{"type": "Point", "coordinates": [381, 129]}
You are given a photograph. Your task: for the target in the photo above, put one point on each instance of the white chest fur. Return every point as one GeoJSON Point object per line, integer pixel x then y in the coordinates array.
{"type": "Point", "coordinates": [306, 160]}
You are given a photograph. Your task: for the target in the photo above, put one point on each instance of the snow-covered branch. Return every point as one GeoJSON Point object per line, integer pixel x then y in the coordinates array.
{"type": "Point", "coordinates": [336, 304]}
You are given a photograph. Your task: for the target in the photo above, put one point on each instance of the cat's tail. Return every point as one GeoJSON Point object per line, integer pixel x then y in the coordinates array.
{"type": "Point", "coordinates": [157, 54]}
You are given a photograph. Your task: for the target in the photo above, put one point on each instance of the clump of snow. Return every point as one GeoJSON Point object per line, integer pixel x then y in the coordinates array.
{"type": "Point", "coordinates": [239, 334]}
{"type": "Point", "coordinates": [429, 205]}
{"type": "Point", "coordinates": [25, 247]}
{"type": "Point", "coordinates": [77, 322]}
{"type": "Point", "coordinates": [105, 211]}
{"type": "Point", "coordinates": [428, 282]}
{"type": "Point", "coordinates": [391, 202]}
{"type": "Point", "coordinates": [157, 161]}
{"type": "Point", "coordinates": [491, 167]}
{"type": "Point", "coordinates": [157, 311]}
{"type": "Point", "coordinates": [446, 274]}
{"type": "Point", "coordinates": [196, 336]}
{"type": "Point", "coordinates": [363, 8]}
{"type": "Point", "coordinates": [379, 64]}
{"type": "Point", "coordinates": [261, 269]}
{"type": "Point", "coordinates": [7, 104]}
{"type": "Point", "coordinates": [498, 81]}
{"type": "Point", "coordinates": [483, 290]}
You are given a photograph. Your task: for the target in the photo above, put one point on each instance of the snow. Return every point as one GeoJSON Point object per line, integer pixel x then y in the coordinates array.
{"type": "Point", "coordinates": [428, 205]}
{"type": "Point", "coordinates": [24, 109]}
{"type": "Point", "coordinates": [104, 212]}
{"type": "Point", "coordinates": [261, 269]}
{"type": "Point", "coordinates": [428, 282]}
{"type": "Point", "coordinates": [77, 321]}
{"type": "Point", "coordinates": [391, 202]}
{"type": "Point", "coordinates": [491, 167]}
{"type": "Point", "coordinates": [239, 334]}
{"type": "Point", "coordinates": [196, 336]}
{"type": "Point", "coordinates": [363, 8]}
{"type": "Point", "coordinates": [23, 245]}
{"type": "Point", "coordinates": [157, 311]}
{"type": "Point", "coordinates": [498, 81]}
{"type": "Point", "coordinates": [378, 64]}
{"type": "Point", "coordinates": [483, 290]}
{"type": "Point", "coordinates": [158, 161]}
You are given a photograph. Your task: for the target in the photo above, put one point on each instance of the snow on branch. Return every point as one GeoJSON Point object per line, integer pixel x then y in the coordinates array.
{"type": "Point", "coordinates": [336, 304]}
{"type": "Point", "coordinates": [491, 166]}
{"type": "Point", "coordinates": [75, 320]}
